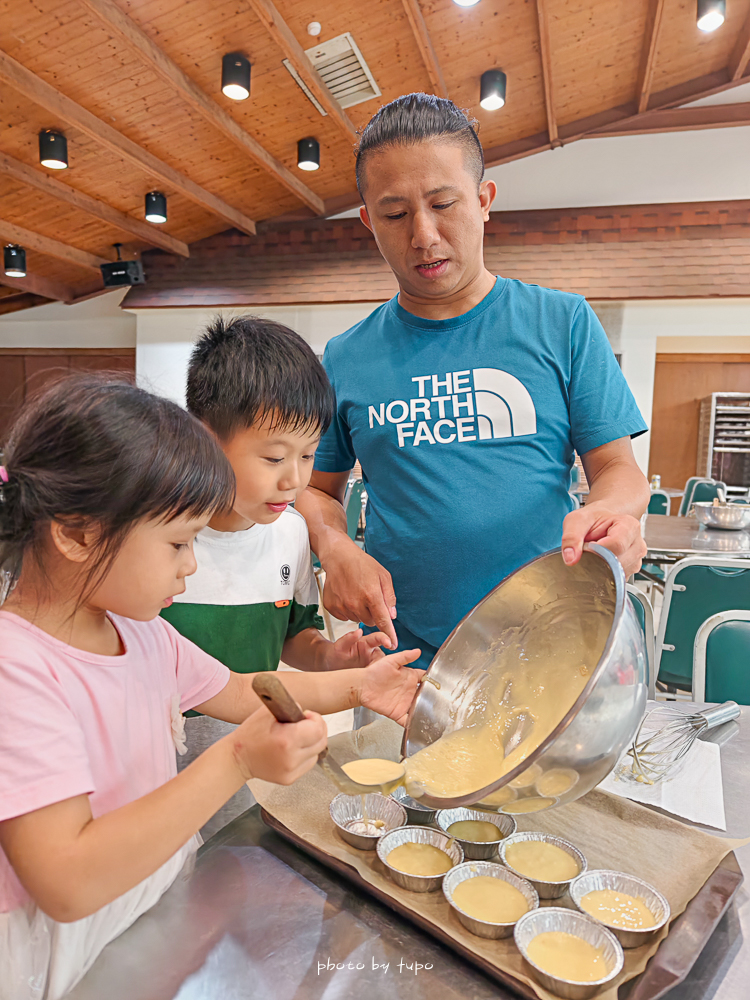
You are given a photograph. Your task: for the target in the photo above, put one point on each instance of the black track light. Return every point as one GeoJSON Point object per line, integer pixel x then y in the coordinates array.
{"type": "Point", "coordinates": [156, 207]}
{"type": "Point", "coordinates": [53, 149]}
{"type": "Point", "coordinates": [492, 89]}
{"type": "Point", "coordinates": [308, 154]}
{"type": "Point", "coordinates": [235, 76]}
{"type": "Point", "coordinates": [14, 258]}
{"type": "Point", "coordinates": [711, 14]}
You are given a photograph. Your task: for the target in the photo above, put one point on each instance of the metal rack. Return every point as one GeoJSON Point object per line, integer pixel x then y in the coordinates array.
{"type": "Point", "coordinates": [724, 440]}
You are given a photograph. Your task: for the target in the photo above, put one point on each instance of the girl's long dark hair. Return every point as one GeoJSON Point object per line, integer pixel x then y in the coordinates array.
{"type": "Point", "coordinates": [94, 449]}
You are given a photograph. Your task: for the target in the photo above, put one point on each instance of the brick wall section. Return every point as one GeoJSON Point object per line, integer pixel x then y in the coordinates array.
{"type": "Point", "coordinates": [694, 250]}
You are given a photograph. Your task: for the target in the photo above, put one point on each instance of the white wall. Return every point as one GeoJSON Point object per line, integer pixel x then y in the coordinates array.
{"type": "Point", "coordinates": [645, 324]}
{"type": "Point", "coordinates": [98, 322]}
{"type": "Point", "coordinates": [165, 337]}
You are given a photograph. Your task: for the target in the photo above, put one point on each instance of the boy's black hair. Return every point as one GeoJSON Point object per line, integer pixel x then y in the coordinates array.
{"type": "Point", "coordinates": [248, 369]}
{"type": "Point", "coordinates": [417, 118]}
{"type": "Point", "coordinates": [96, 449]}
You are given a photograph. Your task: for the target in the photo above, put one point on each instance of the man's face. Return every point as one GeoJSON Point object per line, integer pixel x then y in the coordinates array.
{"type": "Point", "coordinates": [427, 215]}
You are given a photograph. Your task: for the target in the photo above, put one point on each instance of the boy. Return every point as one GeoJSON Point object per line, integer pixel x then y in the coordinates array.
{"type": "Point", "coordinates": [253, 599]}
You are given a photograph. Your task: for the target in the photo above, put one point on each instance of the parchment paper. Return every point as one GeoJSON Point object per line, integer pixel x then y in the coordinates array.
{"type": "Point", "coordinates": [611, 831]}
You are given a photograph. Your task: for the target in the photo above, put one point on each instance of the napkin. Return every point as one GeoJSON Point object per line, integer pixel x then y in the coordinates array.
{"type": "Point", "coordinates": [695, 793]}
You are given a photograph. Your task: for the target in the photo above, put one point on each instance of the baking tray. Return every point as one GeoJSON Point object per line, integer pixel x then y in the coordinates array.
{"type": "Point", "coordinates": [678, 952]}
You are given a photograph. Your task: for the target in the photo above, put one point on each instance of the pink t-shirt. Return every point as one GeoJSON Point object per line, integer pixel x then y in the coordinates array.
{"type": "Point", "coordinates": [78, 723]}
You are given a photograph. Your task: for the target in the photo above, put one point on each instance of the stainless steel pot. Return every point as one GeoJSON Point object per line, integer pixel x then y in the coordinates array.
{"type": "Point", "coordinates": [728, 516]}
{"type": "Point", "coordinates": [592, 734]}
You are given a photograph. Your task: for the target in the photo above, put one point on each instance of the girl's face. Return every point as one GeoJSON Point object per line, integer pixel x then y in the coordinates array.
{"type": "Point", "coordinates": [150, 568]}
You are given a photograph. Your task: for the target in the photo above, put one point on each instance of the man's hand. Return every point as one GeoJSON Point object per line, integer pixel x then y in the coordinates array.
{"type": "Point", "coordinates": [359, 589]}
{"type": "Point", "coordinates": [355, 650]}
{"type": "Point", "coordinates": [620, 533]}
{"type": "Point", "coordinates": [389, 685]}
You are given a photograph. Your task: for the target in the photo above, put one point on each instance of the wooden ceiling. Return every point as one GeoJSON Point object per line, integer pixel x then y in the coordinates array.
{"type": "Point", "coordinates": [135, 87]}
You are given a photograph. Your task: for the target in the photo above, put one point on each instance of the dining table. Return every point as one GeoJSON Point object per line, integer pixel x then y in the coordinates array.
{"type": "Point", "coordinates": [669, 538]}
{"type": "Point", "coordinates": [259, 919]}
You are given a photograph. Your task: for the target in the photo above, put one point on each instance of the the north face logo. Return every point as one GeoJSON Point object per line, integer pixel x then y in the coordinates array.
{"type": "Point", "coordinates": [462, 406]}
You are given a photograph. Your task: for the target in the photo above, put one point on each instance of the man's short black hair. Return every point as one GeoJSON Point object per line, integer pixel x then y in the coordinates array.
{"type": "Point", "coordinates": [249, 369]}
{"type": "Point", "coordinates": [417, 118]}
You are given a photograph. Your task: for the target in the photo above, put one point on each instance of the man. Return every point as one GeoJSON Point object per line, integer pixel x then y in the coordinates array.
{"type": "Point", "coordinates": [463, 399]}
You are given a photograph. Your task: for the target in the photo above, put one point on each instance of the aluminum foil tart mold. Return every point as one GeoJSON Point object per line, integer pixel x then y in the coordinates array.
{"type": "Point", "coordinates": [346, 813]}
{"type": "Point", "coordinates": [546, 890]}
{"type": "Point", "coordinates": [591, 881]}
{"type": "Point", "coordinates": [477, 850]}
{"type": "Point", "coordinates": [416, 813]}
{"type": "Point", "coordinates": [418, 835]}
{"type": "Point", "coordinates": [475, 869]}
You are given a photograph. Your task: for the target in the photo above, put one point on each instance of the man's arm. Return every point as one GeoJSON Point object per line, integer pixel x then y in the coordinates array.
{"type": "Point", "coordinates": [618, 496]}
{"type": "Point", "coordinates": [357, 588]}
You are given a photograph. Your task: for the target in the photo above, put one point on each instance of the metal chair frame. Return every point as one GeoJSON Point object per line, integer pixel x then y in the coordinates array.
{"type": "Point", "coordinates": [670, 587]}
{"type": "Point", "coordinates": [661, 493]}
{"type": "Point", "coordinates": [701, 646]}
{"type": "Point", "coordinates": [648, 627]}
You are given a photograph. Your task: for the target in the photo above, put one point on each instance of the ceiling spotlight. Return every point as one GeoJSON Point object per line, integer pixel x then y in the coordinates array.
{"type": "Point", "coordinates": [53, 149]}
{"type": "Point", "coordinates": [14, 258]}
{"type": "Point", "coordinates": [465, 3]}
{"type": "Point", "coordinates": [308, 154]}
{"type": "Point", "coordinates": [235, 76]}
{"type": "Point", "coordinates": [711, 14]}
{"type": "Point", "coordinates": [492, 89]}
{"type": "Point", "coordinates": [156, 207]}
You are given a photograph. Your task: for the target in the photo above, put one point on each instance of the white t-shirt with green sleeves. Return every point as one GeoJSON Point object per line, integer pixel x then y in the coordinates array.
{"type": "Point", "coordinates": [252, 590]}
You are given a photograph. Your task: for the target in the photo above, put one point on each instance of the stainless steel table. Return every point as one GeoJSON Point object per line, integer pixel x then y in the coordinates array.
{"type": "Point", "coordinates": [671, 538]}
{"type": "Point", "coordinates": [260, 919]}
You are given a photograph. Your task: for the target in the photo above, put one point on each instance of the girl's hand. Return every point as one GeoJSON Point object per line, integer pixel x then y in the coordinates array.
{"type": "Point", "coordinates": [275, 751]}
{"type": "Point", "coordinates": [355, 650]}
{"type": "Point", "coordinates": [388, 686]}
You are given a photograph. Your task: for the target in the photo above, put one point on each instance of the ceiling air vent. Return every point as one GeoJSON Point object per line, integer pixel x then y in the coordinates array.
{"type": "Point", "coordinates": [344, 71]}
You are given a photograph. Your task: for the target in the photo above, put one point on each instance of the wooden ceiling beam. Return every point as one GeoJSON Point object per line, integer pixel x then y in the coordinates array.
{"type": "Point", "coordinates": [35, 284]}
{"type": "Point", "coordinates": [282, 34]}
{"type": "Point", "coordinates": [740, 56]}
{"type": "Point", "coordinates": [51, 248]}
{"type": "Point", "coordinates": [617, 117]}
{"type": "Point", "coordinates": [654, 19]}
{"type": "Point", "coordinates": [128, 31]}
{"type": "Point", "coordinates": [18, 301]}
{"type": "Point", "coordinates": [425, 46]}
{"type": "Point", "coordinates": [150, 234]}
{"type": "Point", "coordinates": [64, 109]}
{"type": "Point", "coordinates": [681, 120]}
{"type": "Point", "coordinates": [546, 60]}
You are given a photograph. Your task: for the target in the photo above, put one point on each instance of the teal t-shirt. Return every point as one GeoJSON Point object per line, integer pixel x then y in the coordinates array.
{"type": "Point", "coordinates": [465, 430]}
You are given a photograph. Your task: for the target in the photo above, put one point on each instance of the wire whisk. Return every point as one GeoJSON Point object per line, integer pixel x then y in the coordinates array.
{"type": "Point", "coordinates": [666, 735]}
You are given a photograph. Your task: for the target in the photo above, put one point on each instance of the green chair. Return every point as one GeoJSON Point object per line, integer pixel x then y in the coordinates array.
{"type": "Point", "coordinates": [659, 502]}
{"type": "Point", "coordinates": [695, 589]}
{"type": "Point", "coordinates": [699, 490]}
{"type": "Point", "coordinates": [353, 510]}
{"type": "Point", "coordinates": [645, 615]}
{"type": "Point", "coordinates": [721, 659]}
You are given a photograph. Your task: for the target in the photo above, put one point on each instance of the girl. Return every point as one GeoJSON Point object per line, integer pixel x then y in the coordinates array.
{"type": "Point", "coordinates": [102, 493]}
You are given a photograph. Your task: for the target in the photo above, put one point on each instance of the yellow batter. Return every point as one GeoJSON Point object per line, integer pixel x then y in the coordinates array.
{"type": "Point", "coordinates": [527, 777]}
{"type": "Point", "coordinates": [419, 859]}
{"type": "Point", "coordinates": [618, 909]}
{"type": "Point", "coordinates": [373, 771]}
{"type": "Point", "coordinates": [556, 782]}
{"type": "Point", "coordinates": [475, 830]}
{"type": "Point", "coordinates": [507, 712]}
{"type": "Point", "coordinates": [490, 899]}
{"type": "Point", "coordinates": [567, 957]}
{"type": "Point", "coordinates": [541, 861]}
{"type": "Point", "coordinates": [530, 805]}
{"type": "Point", "coordinates": [498, 798]}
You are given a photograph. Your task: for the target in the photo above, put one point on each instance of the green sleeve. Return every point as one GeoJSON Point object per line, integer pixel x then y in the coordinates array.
{"type": "Point", "coordinates": [302, 616]}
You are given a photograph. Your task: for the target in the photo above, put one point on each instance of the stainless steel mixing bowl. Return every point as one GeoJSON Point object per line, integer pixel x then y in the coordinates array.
{"type": "Point", "coordinates": [729, 516]}
{"type": "Point", "coordinates": [590, 737]}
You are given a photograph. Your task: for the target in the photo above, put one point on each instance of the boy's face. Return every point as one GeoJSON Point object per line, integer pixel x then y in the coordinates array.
{"type": "Point", "coordinates": [271, 466]}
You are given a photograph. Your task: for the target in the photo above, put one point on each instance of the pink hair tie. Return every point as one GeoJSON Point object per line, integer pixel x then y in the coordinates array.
{"type": "Point", "coordinates": [3, 474]}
